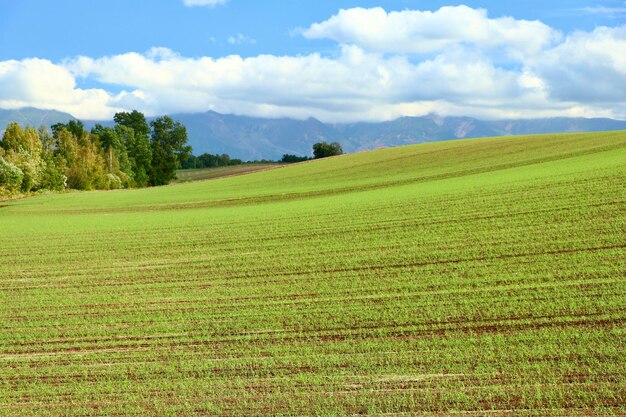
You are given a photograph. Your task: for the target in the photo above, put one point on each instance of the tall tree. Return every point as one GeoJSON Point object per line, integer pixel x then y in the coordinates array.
{"type": "Point", "coordinates": [135, 120]}
{"type": "Point", "coordinates": [22, 148]}
{"type": "Point", "coordinates": [75, 127]}
{"type": "Point", "coordinates": [109, 142]}
{"type": "Point", "coordinates": [84, 161]}
{"type": "Point", "coordinates": [169, 147]}
{"type": "Point", "coordinates": [115, 152]}
{"type": "Point", "coordinates": [53, 177]}
{"type": "Point", "coordinates": [21, 140]}
{"type": "Point", "coordinates": [133, 131]}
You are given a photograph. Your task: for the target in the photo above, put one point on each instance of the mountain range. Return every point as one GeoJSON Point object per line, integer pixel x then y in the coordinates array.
{"type": "Point", "coordinates": [252, 138]}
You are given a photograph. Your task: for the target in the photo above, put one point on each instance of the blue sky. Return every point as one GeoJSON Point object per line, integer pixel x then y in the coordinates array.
{"type": "Point", "coordinates": [61, 29]}
{"type": "Point", "coordinates": [375, 60]}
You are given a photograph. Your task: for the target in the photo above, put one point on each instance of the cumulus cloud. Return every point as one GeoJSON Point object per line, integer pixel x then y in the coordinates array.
{"type": "Point", "coordinates": [586, 67]}
{"type": "Point", "coordinates": [415, 31]}
{"type": "Point", "coordinates": [210, 3]}
{"type": "Point", "coordinates": [40, 83]}
{"type": "Point", "coordinates": [354, 85]}
{"type": "Point", "coordinates": [371, 78]}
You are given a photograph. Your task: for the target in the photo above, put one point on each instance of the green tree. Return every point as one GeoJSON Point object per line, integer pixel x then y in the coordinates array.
{"type": "Point", "coordinates": [135, 120]}
{"type": "Point", "coordinates": [325, 149]}
{"type": "Point", "coordinates": [84, 161]}
{"type": "Point", "coordinates": [22, 148]}
{"type": "Point", "coordinates": [75, 127]}
{"type": "Point", "coordinates": [169, 147]}
{"type": "Point", "coordinates": [110, 143]}
{"type": "Point", "coordinates": [48, 142]}
{"type": "Point", "coordinates": [133, 131]}
{"type": "Point", "coordinates": [106, 158]}
{"type": "Point", "coordinates": [115, 153]}
{"type": "Point", "coordinates": [289, 158]}
{"type": "Point", "coordinates": [53, 176]}
{"type": "Point", "coordinates": [11, 177]}
{"type": "Point", "coordinates": [66, 146]}
{"type": "Point", "coordinates": [21, 140]}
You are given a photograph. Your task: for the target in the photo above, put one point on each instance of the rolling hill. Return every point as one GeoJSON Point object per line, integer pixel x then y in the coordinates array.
{"type": "Point", "coordinates": [481, 276]}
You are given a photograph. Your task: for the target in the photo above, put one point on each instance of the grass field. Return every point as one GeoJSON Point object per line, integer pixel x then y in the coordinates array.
{"type": "Point", "coordinates": [187, 175]}
{"type": "Point", "coordinates": [475, 277]}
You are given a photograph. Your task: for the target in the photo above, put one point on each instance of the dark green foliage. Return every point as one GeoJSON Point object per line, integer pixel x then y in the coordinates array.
{"type": "Point", "coordinates": [139, 153]}
{"type": "Point", "coordinates": [207, 160]}
{"type": "Point", "coordinates": [110, 143]}
{"type": "Point", "coordinates": [169, 147]}
{"type": "Point", "coordinates": [134, 132]}
{"type": "Point", "coordinates": [75, 127]}
{"type": "Point", "coordinates": [190, 162]}
{"type": "Point", "coordinates": [325, 149]}
{"type": "Point", "coordinates": [135, 120]}
{"type": "Point", "coordinates": [288, 158]}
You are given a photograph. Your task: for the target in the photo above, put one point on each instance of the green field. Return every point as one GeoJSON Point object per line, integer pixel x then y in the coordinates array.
{"type": "Point", "coordinates": [187, 175]}
{"type": "Point", "coordinates": [474, 277]}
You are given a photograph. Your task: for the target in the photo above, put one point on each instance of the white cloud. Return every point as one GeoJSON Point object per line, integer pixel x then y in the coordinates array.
{"type": "Point", "coordinates": [240, 39]}
{"type": "Point", "coordinates": [415, 31]}
{"type": "Point", "coordinates": [40, 83]}
{"type": "Point", "coordinates": [352, 86]}
{"type": "Point", "coordinates": [588, 67]}
{"type": "Point", "coordinates": [210, 3]}
{"type": "Point", "coordinates": [605, 11]}
{"type": "Point", "coordinates": [373, 79]}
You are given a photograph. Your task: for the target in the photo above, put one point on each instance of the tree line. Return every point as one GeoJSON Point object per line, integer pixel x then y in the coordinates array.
{"type": "Point", "coordinates": [131, 154]}
{"type": "Point", "coordinates": [207, 160]}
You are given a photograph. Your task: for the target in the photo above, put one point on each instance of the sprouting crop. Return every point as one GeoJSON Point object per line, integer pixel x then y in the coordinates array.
{"type": "Point", "coordinates": [480, 276]}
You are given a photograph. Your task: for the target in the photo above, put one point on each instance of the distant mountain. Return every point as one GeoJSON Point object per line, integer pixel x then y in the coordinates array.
{"type": "Point", "coordinates": [252, 138]}
{"type": "Point", "coordinates": [33, 117]}
{"type": "Point", "coordinates": [255, 138]}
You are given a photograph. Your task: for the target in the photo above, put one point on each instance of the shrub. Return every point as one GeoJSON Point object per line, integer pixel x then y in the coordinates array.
{"type": "Point", "coordinates": [11, 177]}
{"type": "Point", "coordinates": [325, 149]}
{"type": "Point", "coordinates": [52, 176]}
{"type": "Point", "coordinates": [113, 182]}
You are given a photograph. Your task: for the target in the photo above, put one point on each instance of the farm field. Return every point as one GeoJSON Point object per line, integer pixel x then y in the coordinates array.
{"type": "Point", "coordinates": [473, 277]}
{"type": "Point", "coordinates": [187, 175]}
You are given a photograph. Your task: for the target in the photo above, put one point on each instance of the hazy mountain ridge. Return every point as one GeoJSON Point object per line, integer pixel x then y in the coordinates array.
{"type": "Point", "coordinates": [30, 116]}
{"type": "Point", "coordinates": [252, 138]}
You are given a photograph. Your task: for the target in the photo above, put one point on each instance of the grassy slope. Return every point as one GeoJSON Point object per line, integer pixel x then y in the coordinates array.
{"type": "Point", "coordinates": [460, 276]}
{"type": "Point", "coordinates": [187, 175]}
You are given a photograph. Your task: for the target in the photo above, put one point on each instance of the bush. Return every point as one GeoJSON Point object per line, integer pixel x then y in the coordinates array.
{"type": "Point", "coordinates": [325, 149]}
{"type": "Point", "coordinates": [113, 182]}
{"type": "Point", "coordinates": [53, 177]}
{"type": "Point", "coordinates": [11, 177]}
{"type": "Point", "coordinates": [31, 167]}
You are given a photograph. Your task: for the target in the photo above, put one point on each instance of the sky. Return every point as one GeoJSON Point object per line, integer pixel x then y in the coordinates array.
{"type": "Point", "coordinates": [338, 61]}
